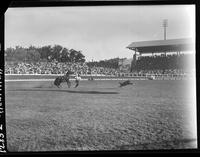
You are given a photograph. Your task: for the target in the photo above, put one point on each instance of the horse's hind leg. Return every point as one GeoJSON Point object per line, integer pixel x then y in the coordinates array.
{"type": "Point", "coordinates": [69, 84]}
{"type": "Point", "coordinates": [77, 83]}
{"type": "Point", "coordinates": [57, 85]}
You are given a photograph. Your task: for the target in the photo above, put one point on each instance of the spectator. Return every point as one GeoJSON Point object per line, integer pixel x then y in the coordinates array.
{"type": "Point", "coordinates": [148, 65]}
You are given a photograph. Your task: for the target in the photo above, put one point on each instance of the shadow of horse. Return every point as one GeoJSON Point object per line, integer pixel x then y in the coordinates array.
{"type": "Point", "coordinates": [68, 91]}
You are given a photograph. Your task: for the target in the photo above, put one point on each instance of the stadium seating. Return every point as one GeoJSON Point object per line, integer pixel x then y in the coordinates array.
{"type": "Point", "coordinates": [146, 65]}
{"type": "Point", "coordinates": [54, 68]}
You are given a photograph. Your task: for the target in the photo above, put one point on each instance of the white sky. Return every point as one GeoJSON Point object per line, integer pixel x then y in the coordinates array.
{"type": "Point", "coordinates": [100, 32]}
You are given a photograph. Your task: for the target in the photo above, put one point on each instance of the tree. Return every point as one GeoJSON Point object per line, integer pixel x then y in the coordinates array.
{"type": "Point", "coordinates": [72, 55]}
{"type": "Point", "coordinates": [80, 57]}
{"type": "Point", "coordinates": [9, 52]}
{"type": "Point", "coordinates": [64, 55]}
{"type": "Point", "coordinates": [76, 56]}
{"type": "Point", "coordinates": [20, 54]}
{"type": "Point", "coordinates": [111, 63]}
{"type": "Point", "coordinates": [56, 52]}
{"type": "Point", "coordinates": [45, 52]}
{"type": "Point", "coordinates": [33, 55]}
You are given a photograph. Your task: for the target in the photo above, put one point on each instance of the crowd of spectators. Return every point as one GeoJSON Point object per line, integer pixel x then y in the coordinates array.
{"type": "Point", "coordinates": [168, 62]}
{"type": "Point", "coordinates": [147, 65]}
{"type": "Point", "coordinates": [165, 72]}
{"type": "Point", "coordinates": [55, 68]}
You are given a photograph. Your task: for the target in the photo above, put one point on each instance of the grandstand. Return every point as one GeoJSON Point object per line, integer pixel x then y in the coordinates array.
{"type": "Point", "coordinates": [159, 46]}
{"type": "Point", "coordinates": [150, 62]}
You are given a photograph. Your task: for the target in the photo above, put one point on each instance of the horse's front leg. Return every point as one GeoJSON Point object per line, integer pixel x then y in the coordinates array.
{"type": "Point", "coordinates": [69, 84]}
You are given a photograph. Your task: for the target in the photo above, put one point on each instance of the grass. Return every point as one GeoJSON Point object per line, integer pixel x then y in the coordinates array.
{"type": "Point", "coordinates": [98, 115]}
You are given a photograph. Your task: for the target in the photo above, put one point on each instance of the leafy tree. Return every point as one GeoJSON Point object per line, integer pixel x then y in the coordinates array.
{"type": "Point", "coordinates": [45, 52]}
{"type": "Point", "coordinates": [80, 57]}
{"type": "Point", "coordinates": [111, 63]}
{"type": "Point", "coordinates": [76, 56]}
{"type": "Point", "coordinates": [20, 54]}
{"type": "Point", "coordinates": [56, 51]}
{"type": "Point", "coordinates": [64, 56]}
{"type": "Point", "coordinates": [33, 55]}
{"type": "Point", "coordinates": [72, 55]}
{"type": "Point", "coordinates": [9, 52]}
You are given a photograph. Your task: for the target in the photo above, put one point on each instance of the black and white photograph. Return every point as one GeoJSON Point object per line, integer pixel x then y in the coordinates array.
{"type": "Point", "coordinates": [100, 78]}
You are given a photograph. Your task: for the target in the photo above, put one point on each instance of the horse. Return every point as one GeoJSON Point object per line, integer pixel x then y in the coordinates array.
{"type": "Point", "coordinates": [64, 78]}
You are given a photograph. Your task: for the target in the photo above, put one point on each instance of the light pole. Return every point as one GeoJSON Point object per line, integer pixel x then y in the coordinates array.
{"type": "Point", "coordinates": [165, 24]}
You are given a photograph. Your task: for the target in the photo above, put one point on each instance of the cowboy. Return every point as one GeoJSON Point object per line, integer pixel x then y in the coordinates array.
{"type": "Point", "coordinates": [77, 79]}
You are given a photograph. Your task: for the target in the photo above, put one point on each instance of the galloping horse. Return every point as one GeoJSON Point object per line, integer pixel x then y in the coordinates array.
{"type": "Point", "coordinates": [61, 79]}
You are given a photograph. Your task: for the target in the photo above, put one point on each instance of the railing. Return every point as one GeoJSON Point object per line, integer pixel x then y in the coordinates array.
{"type": "Point", "coordinates": [103, 77]}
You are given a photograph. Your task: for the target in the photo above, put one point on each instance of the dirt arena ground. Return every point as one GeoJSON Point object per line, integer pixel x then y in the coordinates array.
{"type": "Point", "coordinates": [99, 115]}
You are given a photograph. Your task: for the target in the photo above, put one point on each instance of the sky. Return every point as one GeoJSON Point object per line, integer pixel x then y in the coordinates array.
{"type": "Point", "coordinates": [100, 32]}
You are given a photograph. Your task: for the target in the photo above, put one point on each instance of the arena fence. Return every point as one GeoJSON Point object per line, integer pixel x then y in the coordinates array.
{"type": "Point", "coordinates": [51, 77]}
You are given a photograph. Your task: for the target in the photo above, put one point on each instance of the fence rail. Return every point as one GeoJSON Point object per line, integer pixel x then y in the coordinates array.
{"type": "Point", "coordinates": [101, 77]}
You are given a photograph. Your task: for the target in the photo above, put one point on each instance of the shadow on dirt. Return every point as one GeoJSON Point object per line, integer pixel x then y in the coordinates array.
{"type": "Point", "coordinates": [68, 91]}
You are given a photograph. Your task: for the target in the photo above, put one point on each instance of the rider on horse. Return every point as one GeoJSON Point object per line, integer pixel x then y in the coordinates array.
{"type": "Point", "coordinates": [64, 78]}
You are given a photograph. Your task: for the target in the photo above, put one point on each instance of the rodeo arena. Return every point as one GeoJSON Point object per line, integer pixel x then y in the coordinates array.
{"type": "Point", "coordinates": [144, 102]}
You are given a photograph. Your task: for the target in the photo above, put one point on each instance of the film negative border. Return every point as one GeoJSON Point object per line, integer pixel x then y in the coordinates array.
{"type": "Point", "coordinates": [3, 144]}
{"type": "Point", "coordinates": [3, 148]}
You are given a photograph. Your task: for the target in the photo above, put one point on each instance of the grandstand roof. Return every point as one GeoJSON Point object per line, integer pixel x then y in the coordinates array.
{"type": "Point", "coordinates": [158, 46]}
